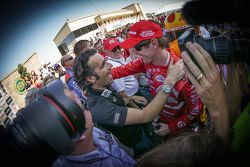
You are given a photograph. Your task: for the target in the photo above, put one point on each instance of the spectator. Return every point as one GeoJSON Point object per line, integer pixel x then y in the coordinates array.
{"type": "Point", "coordinates": [188, 150]}
{"type": "Point", "coordinates": [67, 62]}
{"type": "Point", "coordinates": [59, 70]}
{"type": "Point", "coordinates": [127, 86]}
{"type": "Point", "coordinates": [99, 46]}
{"type": "Point", "coordinates": [31, 95]}
{"type": "Point", "coordinates": [47, 79]}
{"type": "Point", "coordinates": [81, 46]}
{"type": "Point", "coordinates": [109, 110]}
{"type": "Point", "coordinates": [184, 105]}
{"type": "Point", "coordinates": [95, 147]}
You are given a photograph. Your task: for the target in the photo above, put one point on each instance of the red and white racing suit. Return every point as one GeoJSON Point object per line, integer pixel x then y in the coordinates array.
{"type": "Point", "coordinates": [183, 105]}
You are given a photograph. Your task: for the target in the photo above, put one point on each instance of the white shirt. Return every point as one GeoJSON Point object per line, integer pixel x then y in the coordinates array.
{"type": "Point", "coordinates": [128, 84]}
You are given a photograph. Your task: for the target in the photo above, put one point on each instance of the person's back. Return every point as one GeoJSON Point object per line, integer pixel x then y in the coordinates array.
{"type": "Point", "coordinates": [107, 154]}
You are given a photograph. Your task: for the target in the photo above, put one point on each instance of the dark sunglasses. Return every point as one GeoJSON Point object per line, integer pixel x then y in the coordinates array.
{"type": "Point", "coordinates": [115, 49]}
{"type": "Point", "coordinates": [141, 44]}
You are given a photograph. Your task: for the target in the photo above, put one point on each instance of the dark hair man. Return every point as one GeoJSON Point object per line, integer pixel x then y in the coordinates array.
{"type": "Point", "coordinates": [108, 108]}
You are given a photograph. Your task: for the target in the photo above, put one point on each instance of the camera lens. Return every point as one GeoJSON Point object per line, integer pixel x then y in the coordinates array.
{"type": "Point", "coordinates": [45, 128]}
{"type": "Point", "coordinates": [223, 49]}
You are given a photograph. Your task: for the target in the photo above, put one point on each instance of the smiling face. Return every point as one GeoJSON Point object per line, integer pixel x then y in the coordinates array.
{"type": "Point", "coordinates": [102, 76]}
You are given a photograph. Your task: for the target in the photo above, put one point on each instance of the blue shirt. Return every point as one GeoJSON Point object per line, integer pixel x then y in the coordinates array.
{"type": "Point", "coordinates": [107, 154]}
{"type": "Point", "coordinates": [70, 80]}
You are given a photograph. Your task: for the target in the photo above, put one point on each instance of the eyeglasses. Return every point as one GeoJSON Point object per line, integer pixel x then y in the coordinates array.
{"type": "Point", "coordinates": [141, 44]}
{"type": "Point", "coordinates": [115, 49]}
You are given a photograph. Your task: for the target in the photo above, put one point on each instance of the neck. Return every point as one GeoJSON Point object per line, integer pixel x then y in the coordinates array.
{"type": "Point", "coordinates": [161, 57]}
{"type": "Point", "coordinates": [99, 87]}
{"type": "Point", "coordinates": [84, 146]}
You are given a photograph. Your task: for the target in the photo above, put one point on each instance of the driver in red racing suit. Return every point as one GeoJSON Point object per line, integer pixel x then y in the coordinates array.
{"type": "Point", "coordinates": [184, 105]}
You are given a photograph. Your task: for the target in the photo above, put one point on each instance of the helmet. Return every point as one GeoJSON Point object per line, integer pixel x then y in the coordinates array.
{"type": "Point", "coordinates": [174, 21]}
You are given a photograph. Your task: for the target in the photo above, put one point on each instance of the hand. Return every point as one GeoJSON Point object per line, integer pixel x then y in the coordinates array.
{"type": "Point", "coordinates": [140, 100]}
{"type": "Point", "coordinates": [163, 131]}
{"type": "Point", "coordinates": [207, 81]}
{"type": "Point", "coordinates": [209, 86]}
{"type": "Point", "coordinates": [175, 71]}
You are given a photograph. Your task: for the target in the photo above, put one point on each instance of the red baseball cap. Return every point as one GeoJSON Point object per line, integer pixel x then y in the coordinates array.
{"type": "Point", "coordinates": [140, 31]}
{"type": "Point", "coordinates": [110, 43]}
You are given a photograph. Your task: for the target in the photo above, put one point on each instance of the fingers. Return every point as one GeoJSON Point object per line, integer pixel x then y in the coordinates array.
{"type": "Point", "coordinates": [198, 56]}
{"type": "Point", "coordinates": [188, 61]}
{"type": "Point", "coordinates": [192, 78]}
{"type": "Point", "coordinates": [206, 55]}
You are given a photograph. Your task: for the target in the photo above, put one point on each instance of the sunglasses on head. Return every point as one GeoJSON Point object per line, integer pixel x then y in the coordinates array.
{"type": "Point", "coordinates": [141, 44]}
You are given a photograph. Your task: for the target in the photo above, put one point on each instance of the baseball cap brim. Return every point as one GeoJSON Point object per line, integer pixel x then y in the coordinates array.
{"type": "Point", "coordinates": [111, 47]}
{"type": "Point", "coordinates": [129, 43]}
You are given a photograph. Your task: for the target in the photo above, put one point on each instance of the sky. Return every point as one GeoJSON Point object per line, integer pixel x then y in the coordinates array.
{"type": "Point", "coordinates": [28, 27]}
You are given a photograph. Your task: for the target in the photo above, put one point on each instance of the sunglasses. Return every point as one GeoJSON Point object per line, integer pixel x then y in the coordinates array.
{"type": "Point", "coordinates": [141, 44]}
{"type": "Point", "coordinates": [115, 49]}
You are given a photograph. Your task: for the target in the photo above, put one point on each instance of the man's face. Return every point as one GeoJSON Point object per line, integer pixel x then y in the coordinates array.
{"type": "Point", "coordinates": [115, 53]}
{"type": "Point", "coordinates": [100, 47]}
{"type": "Point", "coordinates": [101, 68]}
{"type": "Point", "coordinates": [59, 70]}
{"type": "Point", "coordinates": [145, 50]}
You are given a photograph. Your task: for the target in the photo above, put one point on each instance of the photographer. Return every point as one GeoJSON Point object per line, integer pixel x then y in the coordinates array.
{"type": "Point", "coordinates": [55, 124]}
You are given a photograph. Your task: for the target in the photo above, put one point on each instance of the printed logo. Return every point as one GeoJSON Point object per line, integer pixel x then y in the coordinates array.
{"type": "Point", "coordinates": [117, 117]}
{"type": "Point", "coordinates": [20, 86]}
{"type": "Point", "coordinates": [132, 32]}
{"type": "Point", "coordinates": [159, 78]}
{"type": "Point", "coordinates": [181, 124]}
{"type": "Point", "coordinates": [111, 41]}
{"type": "Point", "coordinates": [147, 33]}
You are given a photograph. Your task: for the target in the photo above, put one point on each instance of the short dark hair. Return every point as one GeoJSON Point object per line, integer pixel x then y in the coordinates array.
{"type": "Point", "coordinates": [81, 46]}
{"type": "Point", "coordinates": [188, 149]}
{"type": "Point", "coordinates": [82, 69]}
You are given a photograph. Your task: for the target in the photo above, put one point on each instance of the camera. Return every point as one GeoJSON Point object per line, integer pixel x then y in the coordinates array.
{"type": "Point", "coordinates": [224, 49]}
{"type": "Point", "coordinates": [42, 130]}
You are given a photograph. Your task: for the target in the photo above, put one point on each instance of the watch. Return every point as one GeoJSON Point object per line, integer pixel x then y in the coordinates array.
{"type": "Point", "coordinates": [166, 89]}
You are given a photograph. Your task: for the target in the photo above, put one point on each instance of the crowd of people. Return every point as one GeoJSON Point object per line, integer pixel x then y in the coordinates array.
{"type": "Point", "coordinates": [144, 105]}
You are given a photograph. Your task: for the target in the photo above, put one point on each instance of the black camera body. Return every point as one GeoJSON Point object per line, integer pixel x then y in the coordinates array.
{"type": "Point", "coordinates": [43, 130]}
{"type": "Point", "coordinates": [223, 49]}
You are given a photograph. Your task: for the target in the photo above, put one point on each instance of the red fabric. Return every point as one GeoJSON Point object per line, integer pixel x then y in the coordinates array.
{"type": "Point", "coordinates": [110, 43]}
{"type": "Point", "coordinates": [126, 54]}
{"type": "Point", "coordinates": [140, 31]}
{"type": "Point", "coordinates": [183, 104]}
{"type": "Point", "coordinates": [103, 54]}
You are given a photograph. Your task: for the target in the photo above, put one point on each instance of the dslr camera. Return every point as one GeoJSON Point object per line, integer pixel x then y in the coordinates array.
{"type": "Point", "coordinates": [42, 130]}
{"type": "Point", "coordinates": [224, 49]}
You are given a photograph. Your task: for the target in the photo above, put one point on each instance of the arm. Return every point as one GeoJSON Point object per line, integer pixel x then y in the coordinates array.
{"type": "Point", "coordinates": [128, 100]}
{"type": "Point", "coordinates": [209, 87]}
{"type": "Point", "coordinates": [131, 68]}
{"type": "Point", "coordinates": [152, 110]}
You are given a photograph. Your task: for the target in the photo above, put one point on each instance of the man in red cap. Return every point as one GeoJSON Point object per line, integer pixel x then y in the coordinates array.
{"type": "Point", "coordinates": [126, 86]}
{"type": "Point", "coordinates": [184, 105]}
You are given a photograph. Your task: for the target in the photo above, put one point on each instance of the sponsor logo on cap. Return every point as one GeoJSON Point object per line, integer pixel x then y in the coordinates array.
{"type": "Point", "coordinates": [132, 32]}
{"type": "Point", "coordinates": [147, 33]}
{"type": "Point", "coordinates": [111, 41]}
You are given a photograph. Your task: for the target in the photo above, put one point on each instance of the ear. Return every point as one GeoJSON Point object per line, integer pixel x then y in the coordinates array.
{"type": "Point", "coordinates": [91, 79]}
